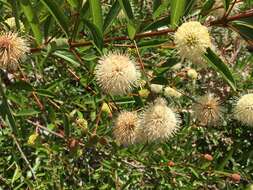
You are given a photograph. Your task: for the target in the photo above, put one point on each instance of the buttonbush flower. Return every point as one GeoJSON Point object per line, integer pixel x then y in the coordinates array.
{"type": "Point", "coordinates": [244, 109]}
{"type": "Point", "coordinates": [117, 74]}
{"type": "Point", "coordinates": [158, 122]}
{"type": "Point", "coordinates": [192, 39]}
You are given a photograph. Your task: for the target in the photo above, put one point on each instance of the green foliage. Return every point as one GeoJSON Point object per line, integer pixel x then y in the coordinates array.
{"type": "Point", "coordinates": [54, 133]}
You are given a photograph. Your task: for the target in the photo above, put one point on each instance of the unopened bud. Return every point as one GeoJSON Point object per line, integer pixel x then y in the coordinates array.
{"type": "Point", "coordinates": [208, 157]}
{"type": "Point", "coordinates": [144, 93]}
{"type": "Point", "coordinates": [32, 138]}
{"type": "Point", "coordinates": [192, 73]}
{"type": "Point", "coordinates": [235, 177]}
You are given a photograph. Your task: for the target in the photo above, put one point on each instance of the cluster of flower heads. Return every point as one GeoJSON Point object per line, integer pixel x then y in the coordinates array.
{"type": "Point", "coordinates": [118, 74]}
{"type": "Point", "coordinates": [157, 122]}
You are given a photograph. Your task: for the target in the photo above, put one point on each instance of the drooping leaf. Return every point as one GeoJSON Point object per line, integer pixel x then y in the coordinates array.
{"type": "Point", "coordinates": [157, 24]}
{"type": "Point", "coordinates": [58, 15]}
{"type": "Point", "coordinates": [244, 28]}
{"type": "Point", "coordinates": [96, 34]}
{"type": "Point", "coordinates": [32, 19]}
{"type": "Point", "coordinates": [112, 14]}
{"type": "Point", "coordinates": [217, 64]}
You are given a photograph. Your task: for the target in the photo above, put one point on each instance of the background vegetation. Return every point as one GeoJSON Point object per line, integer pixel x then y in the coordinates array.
{"type": "Point", "coordinates": [55, 132]}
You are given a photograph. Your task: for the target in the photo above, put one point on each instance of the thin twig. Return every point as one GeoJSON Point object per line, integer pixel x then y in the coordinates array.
{"type": "Point", "coordinates": [52, 132]}
{"type": "Point", "coordinates": [23, 155]}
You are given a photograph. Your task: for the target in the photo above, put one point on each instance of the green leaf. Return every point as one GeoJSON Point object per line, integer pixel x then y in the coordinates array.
{"type": "Point", "coordinates": [112, 14]}
{"type": "Point", "coordinates": [157, 24]}
{"type": "Point", "coordinates": [67, 57]}
{"type": "Point", "coordinates": [151, 43]}
{"type": "Point", "coordinates": [226, 4]}
{"type": "Point", "coordinates": [131, 30]}
{"type": "Point", "coordinates": [27, 112]}
{"type": "Point", "coordinates": [177, 11]}
{"type": "Point", "coordinates": [220, 67]}
{"type": "Point", "coordinates": [96, 11]}
{"type": "Point", "coordinates": [189, 5]}
{"type": "Point", "coordinates": [207, 7]}
{"type": "Point", "coordinates": [96, 34]}
{"type": "Point", "coordinates": [244, 28]}
{"type": "Point", "coordinates": [58, 15]}
{"type": "Point", "coordinates": [156, 4]}
{"type": "Point", "coordinates": [66, 125]}
{"type": "Point", "coordinates": [46, 93]}
{"type": "Point", "coordinates": [6, 111]}
{"type": "Point", "coordinates": [160, 80]}
{"type": "Point", "coordinates": [126, 6]}
{"type": "Point", "coordinates": [73, 3]}
{"type": "Point", "coordinates": [162, 8]}
{"type": "Point", "coordinates": [32, 19]}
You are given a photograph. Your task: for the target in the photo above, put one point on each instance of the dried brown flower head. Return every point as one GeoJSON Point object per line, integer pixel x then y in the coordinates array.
{"type": "Point", "coordinates": [12, 49]}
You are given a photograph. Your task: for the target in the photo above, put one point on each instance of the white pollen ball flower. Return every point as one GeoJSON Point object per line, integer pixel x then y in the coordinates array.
{"type": "Point", "coordinates": [243, 110]}
{"type": "Point", "coordinates": [158, 122]}
{"type": "Point", "coordinates": [117, 74]}
{"type": "Point", "coordinates": [192, 39]}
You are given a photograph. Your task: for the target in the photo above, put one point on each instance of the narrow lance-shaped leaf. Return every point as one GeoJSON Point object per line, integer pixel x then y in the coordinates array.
{"type": "Point", "coordinates": [96, 11]}
{"type": "Point", "coordinates": [32, 19]}
{"type": "Point", "coordinates": [58, 15]}
{"type": "Point", "coordinates": [96, 34]}
{"type": "Point", "coordinates": [177, 11]}
{"type": "Point", "coordinates": [188, 7]}
{"type": "Point", "coordinates": [226, 3]}
{"type": "Point", "coordinates": [244, 28]}
{"type": "Point", "coordinates": [126, 6]}
{"type": "Point", "coordinates": [112, 14]}
{"type": "Point", "coordinates": [7, 111]}
{"type": "Point", "coordinates": [216, 63]}
{"type": "Point", "coordinates": [131, 26]}
{"type": "Point", "coordinates": [207, 7]}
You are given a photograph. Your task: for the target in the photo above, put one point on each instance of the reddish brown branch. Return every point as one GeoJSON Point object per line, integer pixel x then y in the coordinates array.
{"type": "Point", "coordinates": [220, 22]}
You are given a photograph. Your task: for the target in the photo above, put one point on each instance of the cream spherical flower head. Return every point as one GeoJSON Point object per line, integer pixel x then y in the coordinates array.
{"type": "Point", "coordinates": [207, 110]}
{"type": "Point", "coordinates": [12, 50]}
{"type": "Point", "coordinates": [125, 128]}
{"type": "Point", "coordinates": [117, 74]}
{"type": "Point", "coordinates": [158, 122]}
{"type": "Point", "coordinates": [243, 110]}
{"type": "Point", "coordinates": [192, 39]}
